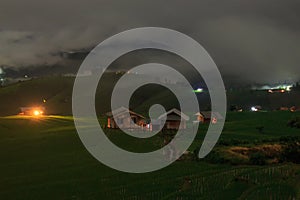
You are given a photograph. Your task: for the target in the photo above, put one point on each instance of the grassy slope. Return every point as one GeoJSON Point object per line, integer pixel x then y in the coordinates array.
{"type": "Point", "coordinates": [44, 159]}
{"type": "Point", "coordinates": [57, 91]}
{"type": "Point", "coordinates": [242, 126]}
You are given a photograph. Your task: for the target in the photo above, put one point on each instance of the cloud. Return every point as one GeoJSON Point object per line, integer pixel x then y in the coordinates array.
{"type": "Point", "coordinates": [258, 39]}
{"type": "Point", "coordinates": [254, 49]}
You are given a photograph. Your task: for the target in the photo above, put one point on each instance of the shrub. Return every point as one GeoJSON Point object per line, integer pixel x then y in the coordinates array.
{"type": "Point", "coordinates": [291, 153]}
{"type": "Point", "coordinates": [215, 157]}
{"type": "Point", "coordinates": [257, 158]}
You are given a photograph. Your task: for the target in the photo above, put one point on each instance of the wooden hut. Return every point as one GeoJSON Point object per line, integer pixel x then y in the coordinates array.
{"type": "Point", "coordinates": [207, 116]}
{"type": "Point", "coordinates": [175, 119]}
{"type": "Point", "coordinates": [123, 120]}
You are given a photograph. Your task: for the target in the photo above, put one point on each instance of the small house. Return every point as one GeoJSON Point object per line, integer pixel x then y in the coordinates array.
{"type": "Point", "coordinates": [283, 108]}
{"type": "Point", "coordinates": [294, 109]}
{"type": "Point", "coordinates": [123, 120]}
{"type": "Point", "coordinates": [175, 119]}
{"type": "Point", "coordinates": [207, 116]}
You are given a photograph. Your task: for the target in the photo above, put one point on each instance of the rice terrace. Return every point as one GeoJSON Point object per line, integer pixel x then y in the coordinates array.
{"type": "Point", "coordinates": [43, 158]}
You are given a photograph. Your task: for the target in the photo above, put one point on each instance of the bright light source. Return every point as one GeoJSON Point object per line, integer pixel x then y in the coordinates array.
{"type": "Point", "coordinates": [199, 90]}
{"type": "Point", "coordinates": [36, 113]}
{"type": "Point", "coordinates": [254, 109]}
{"type": "Point", "coordinates": [32, 111]}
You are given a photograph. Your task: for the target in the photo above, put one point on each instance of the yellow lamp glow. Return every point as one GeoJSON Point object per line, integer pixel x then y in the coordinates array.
{"type": "Point", "coordinates": [36, 113]}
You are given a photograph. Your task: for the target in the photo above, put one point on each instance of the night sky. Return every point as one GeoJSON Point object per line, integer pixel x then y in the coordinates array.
{"type": "Point", "coordinates": [258, 40]}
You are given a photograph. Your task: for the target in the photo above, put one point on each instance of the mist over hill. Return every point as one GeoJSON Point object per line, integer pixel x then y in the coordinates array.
{"type": "Point", "coordinates": [57, 91]}
{"type": "Point", "coordinates": [70, 62]}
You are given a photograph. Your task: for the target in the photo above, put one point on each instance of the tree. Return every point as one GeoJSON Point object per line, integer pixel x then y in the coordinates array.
{"type": "Point", "coordinates": [291, 153]}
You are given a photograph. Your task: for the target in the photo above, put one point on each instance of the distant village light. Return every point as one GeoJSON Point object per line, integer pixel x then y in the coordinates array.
{"type": "Point", "coordinates": [254, 109]}
{"type": "Point", "coordinates": [2, 76]}
{"type": "Point", "coordinates": [199, 90]}
{"type": "Point", "coordinates": [289, 88]}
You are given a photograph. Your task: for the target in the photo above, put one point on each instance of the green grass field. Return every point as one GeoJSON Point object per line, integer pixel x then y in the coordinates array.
{"type": "Point", "coordinates": [43, 158]}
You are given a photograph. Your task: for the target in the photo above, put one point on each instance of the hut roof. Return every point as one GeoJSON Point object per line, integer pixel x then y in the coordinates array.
{"type": "Point", "coordinates": [176, 112]}
{"type": "Point", "coordinates": [209, 114]}
{"type": "Point", "coordinates": [121, 111]}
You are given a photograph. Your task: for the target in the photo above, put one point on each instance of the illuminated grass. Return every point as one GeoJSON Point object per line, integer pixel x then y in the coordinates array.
{"type": "Point", "coordinates": [44, 159]}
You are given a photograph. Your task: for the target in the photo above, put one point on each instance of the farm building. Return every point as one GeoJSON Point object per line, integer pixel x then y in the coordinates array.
{"type": "Point", "coordinates": [207, 116]}
{"type": "Point", "coordinates": [283, 108]}
{"type": "Point", "coordinates": [294, 109]}
{"type": "Point", "coordinates": [175, 119]}
{"type": "Point", "coordinates": [125, 122]}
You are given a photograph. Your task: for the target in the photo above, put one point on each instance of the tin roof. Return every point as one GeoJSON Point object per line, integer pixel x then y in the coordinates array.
{"type": "Point", "coordinates": [209, 114]}
{"type": "Point", "coordinates": [176, 112]}
{"type": "Point", "coordinates": [121, 111]}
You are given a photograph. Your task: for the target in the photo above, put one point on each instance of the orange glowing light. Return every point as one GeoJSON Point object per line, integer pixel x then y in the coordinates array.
{"type": "Point", "coordinates": [37, 112]}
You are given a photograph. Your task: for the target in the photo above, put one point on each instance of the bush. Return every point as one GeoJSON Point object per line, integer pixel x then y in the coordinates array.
{"type": "Point", "coordinates": [291, 153]}
{"type": "Point", "coordinates": [289, 139]}
{"type": "Point", "coordinates": [215, 157]}
{"type": "Point", "coordinates": [232, 142]}
{"type": "Point", "coordinates": [257, 158]}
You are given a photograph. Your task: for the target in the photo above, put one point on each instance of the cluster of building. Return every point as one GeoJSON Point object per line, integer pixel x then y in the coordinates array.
{"type": "Point", "coordinates": [279, 88]}
{"type": "Point", "coordinates": [2, 76]}
{"type": "Point", "coordinates": [171, 120]}
{"type": "Point", "coordinates": [292, 109]}
{"type": "Point", "coordinates": [282, 108]}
